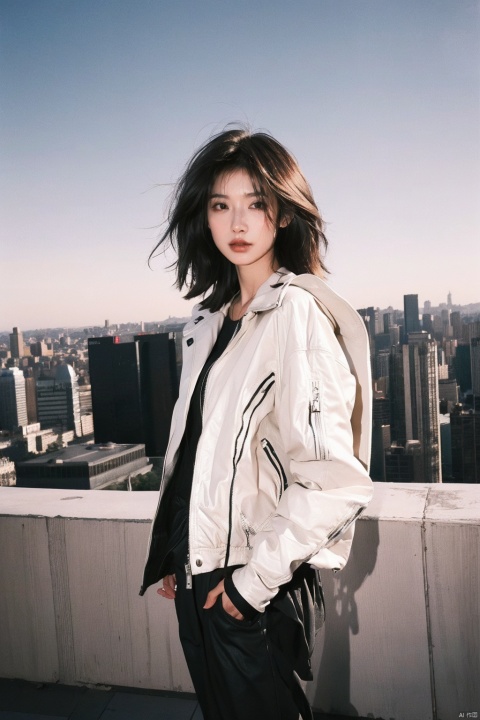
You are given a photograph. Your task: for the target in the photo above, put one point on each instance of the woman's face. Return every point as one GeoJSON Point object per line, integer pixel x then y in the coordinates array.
{"type": "Point", "coordinates": [239, 222]}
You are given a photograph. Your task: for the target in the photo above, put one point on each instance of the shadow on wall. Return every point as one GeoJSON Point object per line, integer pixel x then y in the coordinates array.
{"type": "Point", "coordinates": [333, 689]}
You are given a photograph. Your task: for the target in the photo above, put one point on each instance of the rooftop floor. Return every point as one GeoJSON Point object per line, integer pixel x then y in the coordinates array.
{"type": "Point", "coordinates": [22, 700]}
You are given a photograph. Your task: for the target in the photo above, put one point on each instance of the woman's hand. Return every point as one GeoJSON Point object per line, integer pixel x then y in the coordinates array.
{"type": "Point", "coordinates": [228, 606]}
{"type": "Point", "coordinates": [169, 584]}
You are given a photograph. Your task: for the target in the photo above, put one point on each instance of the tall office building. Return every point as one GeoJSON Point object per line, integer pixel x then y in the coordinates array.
{"type": "Point", "coordinates": [381, 437]}
{"type": "Point", "coordinates": [387, 322]}
{"type": "Point", "coordinates": [17, 349]}
{"type": "Point", "coordinates": [414, 400]}
{"type": "Point", "coordinates": [114, 370]}
{"type": "Point", "coordinates": [31, 395]}
{"type": "Point", "coordinates": [427, 324]}
{"type": "Point", "coordinates": [38, 349]}
{"type": "Point", "coordinates": [404, 464]}
{"type": "Point", "coordinates": [475, 360]}
{"type": "Point", "coordinates": [382, 365]}
{"type": "Point", "coordinates": [370, 318]}
{"type": "Point", "coordinates": [421, 413]}
{"type": "Point", "coordinates": [410, 314]}
{"type": "Point", "coordinates": [13, 401]}
{"type": "Point", "coordinates": [134, 388]}
{"type": "Point", "coordinates": [58, 403]}
{"type": "Point", "coordinates": [465, 434]}
{"type": "Point", "coordinates": [462, 366]}
{"type": "Point", "coordinates": [456, 320]}
{"type": "Point", "coordinates": [397, 396]}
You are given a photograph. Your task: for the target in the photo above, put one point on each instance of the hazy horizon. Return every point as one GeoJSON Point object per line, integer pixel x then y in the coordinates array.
{"type": "Point", "coordinates": [103, 104]}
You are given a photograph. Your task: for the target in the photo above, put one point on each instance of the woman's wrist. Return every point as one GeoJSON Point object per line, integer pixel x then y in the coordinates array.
{"type": "Point", "coordinates": [244, 607]}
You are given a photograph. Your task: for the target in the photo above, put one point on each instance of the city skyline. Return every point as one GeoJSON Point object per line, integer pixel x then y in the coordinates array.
{"type": "Point", "coordinates": [100, 322]}
{"type": "Point", "coordinates": [103, 103]}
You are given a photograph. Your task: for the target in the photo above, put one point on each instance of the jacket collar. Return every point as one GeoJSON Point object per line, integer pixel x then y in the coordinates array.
{"type": "Point", "coordinates": [267, 297]}
{"type": "Point", "coordinates": [344, 319]}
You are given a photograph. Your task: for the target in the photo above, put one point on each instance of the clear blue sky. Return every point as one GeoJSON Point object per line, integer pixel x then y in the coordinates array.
{"type": "Point", "coordinates": [103, 102]}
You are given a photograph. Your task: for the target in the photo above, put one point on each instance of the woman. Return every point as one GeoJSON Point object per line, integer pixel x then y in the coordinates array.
{"type": "Point", "coordinates": [266, 468]}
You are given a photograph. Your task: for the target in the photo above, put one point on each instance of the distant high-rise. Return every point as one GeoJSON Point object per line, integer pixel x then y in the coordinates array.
{"type": "Point", "coordinates": [387, 322]}
{"type": "Point", "coordinates": [475, 360]}
{"type": "Point", "coordinates": [404, 464]}
{"type": "Point", "coordinates": [427, 324]}
{"type": "Point", "coordinates": [410, 314]}
{"type": "Point", "coordinates": [456, 320]}
{"type": "Point", "coordinates": [381, 437]}
{"type": "Point", "coordinates": [58, 403]}
{"type": "Point", "coordinates": [421, 413]}
{"type": "Point", "coordinates": [13, 401]}
{"type": "Point", "coordinates": [370, 318]}
{"type": "Point", "coordinates": [382, 365]}
{"type": "Point", "coordinates": [31, 396]}
{"type": "Point", "coordinates": [134, 388]}
{"type": "Point", "coordinates": [465, 433]}
{"type": "Point", "coordinates": [16, 344]}
{"type": "Point", "coordinates": [462, 367]}
{"type": "Point", "coordinates": [414, 400]}
{"type": "Point", "coordinates": [115, 381]}
{"type": "Point", "coordinates": [449, 299]}
{"type": "Point", "coordinates": [38, 349]}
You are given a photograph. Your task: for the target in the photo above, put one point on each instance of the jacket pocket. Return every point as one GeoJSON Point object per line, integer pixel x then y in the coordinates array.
{"type": "Point", "coordinates": [316, 420]}
{"type": "Point", "coordinates": [274, 460]}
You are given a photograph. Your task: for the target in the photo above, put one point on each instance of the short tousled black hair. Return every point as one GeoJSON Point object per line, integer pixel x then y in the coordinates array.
{"type": "Point", "coordinates": [300, 241]}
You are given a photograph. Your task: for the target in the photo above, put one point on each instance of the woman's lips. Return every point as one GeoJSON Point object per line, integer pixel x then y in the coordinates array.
{"type": "Point", "coordinates": [239, 245]}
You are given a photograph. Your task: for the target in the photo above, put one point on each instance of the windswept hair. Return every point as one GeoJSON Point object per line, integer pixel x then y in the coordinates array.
{"type": "Point", "coordinates": [275, 174]}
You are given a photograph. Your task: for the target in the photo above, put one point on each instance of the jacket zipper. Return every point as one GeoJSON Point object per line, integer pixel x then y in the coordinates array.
{"type": "Point", "coordinates": [343, 526]}
{"type": "Point", "coordinates": [247, 529]}
{"type": "Point", "coordinates": [316, 422]}
{"type": "Point", "coordinates": [261, 390]}
{"type": "Point", "coordinates": [188, 566]}
{"type": "Point", "coordinates": [277, 465]}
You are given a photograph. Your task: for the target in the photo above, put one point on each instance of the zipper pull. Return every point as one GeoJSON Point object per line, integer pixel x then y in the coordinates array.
{"type": "Point", "coordinates": [316, 398]}
{"type": "Point", "coordinates": [188, 574]}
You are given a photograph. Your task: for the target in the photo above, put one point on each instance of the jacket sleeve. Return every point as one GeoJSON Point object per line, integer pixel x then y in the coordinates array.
{"type": "Point", "coordinates": [328, 486]}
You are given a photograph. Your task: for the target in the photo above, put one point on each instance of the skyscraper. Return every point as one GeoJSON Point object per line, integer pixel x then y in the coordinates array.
{"type": "Point", "coordinates": [421, 406]}
{"type": "Point", "coordinates": [475, 360]}
{"type": "Point", "coordinates": [31, 395]}
{"type": "Point", "coordinates": [414, 400]}
{"type": "Point", "coordinates": [13, 402]}
{"type": "Point", "coordinates": [16, 343]}
{"type": "Point", "coordinates": [115, 380]}
{"type": "Point", "coordinates": [134, 388]}
{"type": "Point", "coordinates": [462, 366]}
{"type": "Point", "coordinates": [465, 432]}
{"type": "Point", "coordinates": [456, 320]}
{"type": "Point", "coordinates": [410, 314]}
{"type": "Point", "coordinates": [58, 404]}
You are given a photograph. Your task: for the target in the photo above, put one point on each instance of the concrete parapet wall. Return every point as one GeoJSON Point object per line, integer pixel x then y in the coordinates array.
{"type": "Point", "coordinates": [401, 639]}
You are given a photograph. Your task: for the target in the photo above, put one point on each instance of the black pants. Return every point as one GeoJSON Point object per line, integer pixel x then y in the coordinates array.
{"type": "Point", "coordinates": [246, 670]}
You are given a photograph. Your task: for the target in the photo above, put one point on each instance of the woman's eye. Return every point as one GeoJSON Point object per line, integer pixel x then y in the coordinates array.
{"type": "Point", "coordinates": [218, 206]}
{"type": "Point", "coordinates": [258, 205]}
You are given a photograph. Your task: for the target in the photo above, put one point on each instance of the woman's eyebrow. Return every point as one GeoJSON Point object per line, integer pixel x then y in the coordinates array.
{"type": "Point", "coordinates": [251, 194]}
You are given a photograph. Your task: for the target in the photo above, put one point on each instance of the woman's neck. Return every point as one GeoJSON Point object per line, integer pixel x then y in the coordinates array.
{"type": "Point", "coordinates": [250, 278]}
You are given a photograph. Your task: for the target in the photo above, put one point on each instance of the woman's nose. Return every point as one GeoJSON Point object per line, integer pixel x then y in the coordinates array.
{"type": "Point", "coordinates": [238, 221]}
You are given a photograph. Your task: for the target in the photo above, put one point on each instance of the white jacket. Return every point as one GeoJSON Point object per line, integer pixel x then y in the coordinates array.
{"type": "Point", "coordinates": [281, 469]}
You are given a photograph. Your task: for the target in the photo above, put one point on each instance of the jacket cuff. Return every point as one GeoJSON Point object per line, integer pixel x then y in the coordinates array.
{"type": "Point", "coordinates": [247, 610]}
